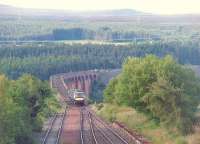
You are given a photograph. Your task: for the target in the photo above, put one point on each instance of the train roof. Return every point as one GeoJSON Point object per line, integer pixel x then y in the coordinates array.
{"type": "Point", "coordinates": [77, 91]}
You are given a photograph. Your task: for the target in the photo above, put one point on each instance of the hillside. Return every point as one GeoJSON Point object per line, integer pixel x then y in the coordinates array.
{"type": "Point", "coordinates": [65, 14]}
{"type": "Point", "coordinates": [103, 15]}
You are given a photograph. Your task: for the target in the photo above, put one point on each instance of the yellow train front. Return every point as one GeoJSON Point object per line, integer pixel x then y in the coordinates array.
{"type": "Point", "coordinates": [79, 97]}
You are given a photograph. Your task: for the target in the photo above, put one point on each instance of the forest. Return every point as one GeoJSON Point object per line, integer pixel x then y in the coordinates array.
{"type": "Point", "coordinates": [59, 30]}
{"type": "Point", "coordinates": [24, 105]}
{"type": "Point", "coordinates": [104, 33]}
{"type": "Point", "coordinates": [43, 59]}
{"type": "Point", "coordinates": [39, 30]}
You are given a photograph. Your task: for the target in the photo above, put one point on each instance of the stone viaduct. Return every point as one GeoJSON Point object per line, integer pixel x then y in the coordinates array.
{"type": "Point", "coordinates": [81, 80]}
{"type": "Point", "coordinates": [75, 80]}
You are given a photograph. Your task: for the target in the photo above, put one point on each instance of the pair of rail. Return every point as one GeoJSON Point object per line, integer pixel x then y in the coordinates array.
{"type": "Point", "coordinates": [50, 129]}
{"type": "Point", "coordinates": [93, 126]}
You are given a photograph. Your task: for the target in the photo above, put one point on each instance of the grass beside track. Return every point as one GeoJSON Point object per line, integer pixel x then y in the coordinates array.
{"type": "Point", "coordinates": [156, 133]}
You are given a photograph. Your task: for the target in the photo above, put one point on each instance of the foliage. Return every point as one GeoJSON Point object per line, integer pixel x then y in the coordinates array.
{"type": "Point", "coordinates": [181, 141]}
{"type": "Point", "coordinates": [69, 34]}
{"type": "Point", "coordinates": [43, 59]}
{"type": "Point", "coordinates": [97, 91]}
{"type": "Point", "coordinates": [161, 88]}
{"type": "Point", "coordinates": [104, 33]}
{"type": "Point", "coordinates": [34, 29]}
{"type": "Point", "coordinates": [44, 29]}
{"type": "Point", "coordinates": [22, 103]}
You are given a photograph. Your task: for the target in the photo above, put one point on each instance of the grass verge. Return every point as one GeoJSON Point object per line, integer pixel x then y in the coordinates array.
{"type": "Point", "coordinates": [134, 120]}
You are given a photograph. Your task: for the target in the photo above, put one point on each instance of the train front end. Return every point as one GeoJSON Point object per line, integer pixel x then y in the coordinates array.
{"type": "Point", "coordinates": [79, 97]}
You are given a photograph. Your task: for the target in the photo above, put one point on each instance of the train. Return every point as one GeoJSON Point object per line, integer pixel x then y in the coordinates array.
{"type": "Point", "coordinates": [78, 96]}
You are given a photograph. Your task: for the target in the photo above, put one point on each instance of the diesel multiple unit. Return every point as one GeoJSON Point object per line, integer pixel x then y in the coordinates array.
{"type": "Point", "coordinates": [78, 96]}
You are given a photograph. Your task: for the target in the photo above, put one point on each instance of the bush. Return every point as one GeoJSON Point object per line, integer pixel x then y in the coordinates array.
{"type": "Point", "coordinates": [181, 141]}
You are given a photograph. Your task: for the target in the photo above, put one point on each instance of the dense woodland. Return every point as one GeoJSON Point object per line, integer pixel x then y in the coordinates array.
{"type": "Point", "coordinates": [104, 33]}
{"type": "Point", "coordinates": [61, 30]}
{"type": "Point", "coordinates": [45, 59]}
{"type": "Point", "coordinates": [32, 29]}
{"type": "Point", "coordinates": [24, 105]}
{"type": "Point", "coordinates": [164, 90]}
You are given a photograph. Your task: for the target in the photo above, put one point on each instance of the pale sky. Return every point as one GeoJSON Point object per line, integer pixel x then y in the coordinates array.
{"type": "Point", "coordinates": [152, 6]}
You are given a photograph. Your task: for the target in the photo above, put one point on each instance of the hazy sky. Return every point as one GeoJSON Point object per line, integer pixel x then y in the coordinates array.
{"type": "Point", "coordinates": [154, 6]}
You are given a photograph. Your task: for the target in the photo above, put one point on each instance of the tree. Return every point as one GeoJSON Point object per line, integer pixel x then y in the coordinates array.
{"type": "Point", "coordinates": [12, 122]}
{"type": "Point", "coordinates": [160, 88]}
{"type": "Point", "coordinates": [24, 103]}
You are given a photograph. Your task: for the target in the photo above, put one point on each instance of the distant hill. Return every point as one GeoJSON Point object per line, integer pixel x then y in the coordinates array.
{"type": "Point", "coordinates": [113, 13]}
{"type": "Point", "coordinates": [7, 12]}
{"type": "Point", "coordinates": [15, 11]}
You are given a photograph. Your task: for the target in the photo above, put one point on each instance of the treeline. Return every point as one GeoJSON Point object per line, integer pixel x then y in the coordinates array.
{"type": "Point", "coordinates": [104, 33]}
{"type": "Point", "coordinates": [164, 90]}
{"type": "Point", "coordinates": [24, 104]}
{"type": "Point", "coordinates": [46, 59]}
{"type": "Point", "coordinates": [38, 29]}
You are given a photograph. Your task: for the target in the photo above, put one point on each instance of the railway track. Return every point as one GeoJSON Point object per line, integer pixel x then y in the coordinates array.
{"type": "Point", "coordinates": [88, 135]}
{"type": "Point", "coordinates": [95, 131]}
{"type": "Point", "coordinates": [52, 135]}
{"type": "Point", "coordinates": [112, 136]}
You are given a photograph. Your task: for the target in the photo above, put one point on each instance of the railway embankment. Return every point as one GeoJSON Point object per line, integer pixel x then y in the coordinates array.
{"type": "Point", "coordinates": [141, 126]}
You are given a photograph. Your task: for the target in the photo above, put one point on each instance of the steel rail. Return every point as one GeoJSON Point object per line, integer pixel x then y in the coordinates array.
{"type": "Point", "coordinates": [111, 130]}
{"type": "Point", "coordinates": [81, 125]}
{"type": "Point", "coordinates": [49, 129]}
{"type": "Point", "coordinates": [110, 141]}
{"type": "Point", "coordinates": [44, 141]}
{"type": "Point", "coordinates": [61, 126]}
{"type": "Point", "coordinates": [92, 128]}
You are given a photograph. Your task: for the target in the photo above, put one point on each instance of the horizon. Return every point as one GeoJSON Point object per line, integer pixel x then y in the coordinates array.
{"type": "Point", "coordinates": [170, 7]}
